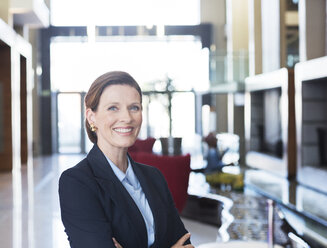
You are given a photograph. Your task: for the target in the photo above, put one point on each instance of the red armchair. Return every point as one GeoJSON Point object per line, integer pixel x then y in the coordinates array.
{"type": "Point", "coordinates": [140, 145]}
{"type": "Point", "coordinates": [176, 170]}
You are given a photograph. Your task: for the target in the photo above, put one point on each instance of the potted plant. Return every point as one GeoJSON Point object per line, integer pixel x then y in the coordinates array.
{"type": "Point", "coordinates": [170, 145]}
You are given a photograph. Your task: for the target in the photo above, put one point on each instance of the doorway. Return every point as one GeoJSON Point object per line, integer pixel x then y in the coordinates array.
{"type": "Point", "coordinates": [75, 64]}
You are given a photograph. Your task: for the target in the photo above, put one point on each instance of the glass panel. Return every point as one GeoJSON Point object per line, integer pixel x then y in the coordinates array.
{"type": "Point", "coordinates": [314, 123]}
{"type": "Point", "coordinates": [152, 62]}
{"type": "Point", "coordinates": [69, 123]}
{"type": "Point", "coordinates": [228, 68]}
{"type": "Point", "coordinates": [158, 116]}
{"type": "Point", "coordinates": [149, 61]}
{"type": "Point", "coordinates": [183, 114]}
{"type": "Point", "coordinates": [266, 125]}
{"type": "Point", "coordinates": [183, 119]}
{"type": "Point", "coordinates": [124, 12]}
{"type": "Point", "coordinates": [88, 143]}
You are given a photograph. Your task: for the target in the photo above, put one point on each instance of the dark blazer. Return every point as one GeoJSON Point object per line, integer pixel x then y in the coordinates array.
{"type": "Point", "coordinates": [95, 206]}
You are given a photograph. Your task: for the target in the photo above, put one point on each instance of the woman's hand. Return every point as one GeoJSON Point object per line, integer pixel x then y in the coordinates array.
{"type": "Point", "coordinates": [116, 243]}
{"type": "Point", "coordinates": [182, 240]}
{"type": "Point", "coordinates": [179, 243]}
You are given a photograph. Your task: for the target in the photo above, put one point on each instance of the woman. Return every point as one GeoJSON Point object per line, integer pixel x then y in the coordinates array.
{"type": "Point", "coordinates": [107, 199]}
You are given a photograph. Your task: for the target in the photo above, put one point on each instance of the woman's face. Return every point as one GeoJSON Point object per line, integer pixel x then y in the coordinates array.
{"type": "Point", "coordinates": [118, 117]}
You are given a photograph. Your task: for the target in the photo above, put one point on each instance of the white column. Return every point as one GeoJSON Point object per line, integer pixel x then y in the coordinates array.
{"type": "Point", "coordinates": [237, 39]}
{"type": "Point", "coordinates": [270, 14]}
{"type": "Point", "coordinates": [255, 39]}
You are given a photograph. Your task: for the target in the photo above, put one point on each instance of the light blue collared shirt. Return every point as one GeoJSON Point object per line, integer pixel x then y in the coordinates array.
{"type": "Point", "coordinates": [133, 186]}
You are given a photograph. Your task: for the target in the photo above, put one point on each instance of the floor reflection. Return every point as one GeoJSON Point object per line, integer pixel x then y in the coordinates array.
{"type": "Point", "coordinates": [17, 216]}
{"type": "Point", "coordinates": [30, 212]}
{"type": "Point", "coordinates": [29, 206]}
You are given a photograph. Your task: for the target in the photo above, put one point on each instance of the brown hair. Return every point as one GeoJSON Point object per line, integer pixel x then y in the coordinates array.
{"type": "Point", "coordinates": [92, 97]}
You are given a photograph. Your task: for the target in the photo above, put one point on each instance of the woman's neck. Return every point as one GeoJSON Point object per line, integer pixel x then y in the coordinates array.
{"type": "Point", "coordinates": [117, 155]}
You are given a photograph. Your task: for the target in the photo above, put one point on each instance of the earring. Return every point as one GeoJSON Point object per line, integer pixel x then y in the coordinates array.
{"type": "Point", "coordinates": [93, 128]}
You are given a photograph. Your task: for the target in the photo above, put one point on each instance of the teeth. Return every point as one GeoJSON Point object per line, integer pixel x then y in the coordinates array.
{"type": "Point", "coordinates": [123, 130]}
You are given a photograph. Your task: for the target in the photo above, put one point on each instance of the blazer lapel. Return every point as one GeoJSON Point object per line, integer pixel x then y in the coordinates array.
{"type": "Point", "coordinates": [155, 202]}
{"type": "Point", "coordinates": [115, 190]}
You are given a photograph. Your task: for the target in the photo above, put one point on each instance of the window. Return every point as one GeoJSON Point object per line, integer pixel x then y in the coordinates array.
{"type": "Point", "coordinates": [124, 12]}
{"type": "Point", "coordinates": [75, 65]}
{"type": "Point", "coordinates": [151, 61]}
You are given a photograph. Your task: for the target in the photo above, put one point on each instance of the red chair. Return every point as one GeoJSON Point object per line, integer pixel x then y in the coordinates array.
{"type": "Point", "coordinates": [140, 145]}
{"type": "Point", "coordinates": [176, 170]}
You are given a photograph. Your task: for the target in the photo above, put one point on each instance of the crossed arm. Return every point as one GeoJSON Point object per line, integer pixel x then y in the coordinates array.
{"type": "Point", "coordinates": [180, 242]}
{"type": "Point", "coordinates": [84, 217]}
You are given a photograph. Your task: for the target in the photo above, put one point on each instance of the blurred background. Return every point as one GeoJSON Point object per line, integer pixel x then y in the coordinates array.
{"type": "Point", "coordinates": [238, 85]}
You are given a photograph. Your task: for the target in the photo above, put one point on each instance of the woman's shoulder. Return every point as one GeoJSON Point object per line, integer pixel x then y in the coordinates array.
{"type": "Point", "coordinates": [78, 183]}
{"type": "Point", "coordinates": [80, 171]}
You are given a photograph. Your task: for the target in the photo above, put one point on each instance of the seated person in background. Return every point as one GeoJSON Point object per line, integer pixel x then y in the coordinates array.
{"type": "Point", "coordinates": [214, 158]}
{"type": "Point", "coordinates": [107, 200]}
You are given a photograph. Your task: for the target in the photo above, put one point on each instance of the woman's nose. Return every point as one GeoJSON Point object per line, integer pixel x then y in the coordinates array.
{"type": "Point", "coordinates": [126, 115]}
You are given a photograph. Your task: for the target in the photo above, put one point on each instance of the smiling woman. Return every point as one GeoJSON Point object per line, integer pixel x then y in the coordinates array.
{"type": "Point", "coordinates": [108, 200]}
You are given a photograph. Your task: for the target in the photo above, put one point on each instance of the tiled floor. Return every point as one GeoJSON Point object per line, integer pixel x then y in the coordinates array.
{"type": "Point", "coordinates": [30, 214]}
{"type": "Point", "coordinates": [29, 207]}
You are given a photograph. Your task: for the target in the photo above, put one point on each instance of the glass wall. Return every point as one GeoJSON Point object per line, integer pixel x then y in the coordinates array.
{"type": "Point", "coordinates": [151, 61]}
{"type": "Point", "coordinates": [76, 64]}
{"type": "Point", "coordinates": [124, 12]}
{"type": "Point", "coordinates": [69, 123]}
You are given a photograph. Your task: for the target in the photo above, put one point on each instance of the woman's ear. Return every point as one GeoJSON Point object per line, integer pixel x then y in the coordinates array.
{"type": "Point", "coordinates": [90, 115]}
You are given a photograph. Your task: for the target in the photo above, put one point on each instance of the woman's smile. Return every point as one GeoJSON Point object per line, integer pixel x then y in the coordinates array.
{"type": "Point", "coordinates": [122, 130]}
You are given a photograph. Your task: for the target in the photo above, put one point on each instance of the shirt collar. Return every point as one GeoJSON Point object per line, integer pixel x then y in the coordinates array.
{"type": "Point", "coordinates": [121, 175]}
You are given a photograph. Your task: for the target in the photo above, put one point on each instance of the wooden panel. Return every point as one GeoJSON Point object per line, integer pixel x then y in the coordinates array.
{"type": "Point", "coordinates": [292, 167]}
{"type": "Point", "coordinates": [5, 80]}
{"type": "Point", "coordinates": [23, 111]}
{"type": "Point", "coordinates": [1, 118]}
{"type": "Point", "coordinates": [16, 110]}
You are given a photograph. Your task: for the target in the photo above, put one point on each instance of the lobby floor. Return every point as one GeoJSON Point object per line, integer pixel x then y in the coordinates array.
{"type": "Point", "coordinates": [30, 213]}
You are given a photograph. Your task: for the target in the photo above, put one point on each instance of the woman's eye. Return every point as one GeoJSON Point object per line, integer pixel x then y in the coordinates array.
{"type": "Point", "coordinates": [113, 108]}
{"type": "Point", "coordinates": [135, 108]}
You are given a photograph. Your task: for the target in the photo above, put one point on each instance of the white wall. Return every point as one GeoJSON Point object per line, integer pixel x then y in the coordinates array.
{"type": "Point", "coordinates": [270, 35]}
{"type": "Point", "coordinates": [255, 39]}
